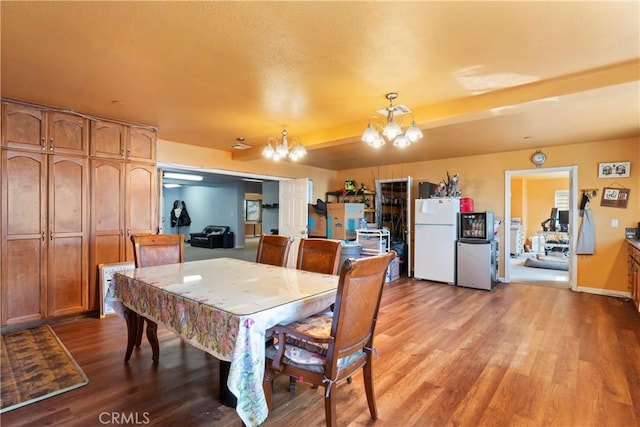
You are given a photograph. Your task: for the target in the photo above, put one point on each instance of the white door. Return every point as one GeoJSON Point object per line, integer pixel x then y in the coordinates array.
{"type": "Point", "coordinates": [293, 213]}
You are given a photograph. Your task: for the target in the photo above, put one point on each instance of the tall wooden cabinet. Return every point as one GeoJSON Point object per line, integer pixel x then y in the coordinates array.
{"type": "Point", "coordinates": [69, 202]}
{"type": "Point", "coordinates": [124, 193]}
{"type": "Point", "coordinates": [45, 203]}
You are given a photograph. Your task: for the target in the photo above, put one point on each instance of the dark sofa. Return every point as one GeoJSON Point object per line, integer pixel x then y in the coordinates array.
{"type": "Point", "coordinates": [213, 236]}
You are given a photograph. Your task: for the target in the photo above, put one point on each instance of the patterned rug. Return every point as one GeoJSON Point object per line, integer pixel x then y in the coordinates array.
{"type": "Point", "coordinates": [35, 365]}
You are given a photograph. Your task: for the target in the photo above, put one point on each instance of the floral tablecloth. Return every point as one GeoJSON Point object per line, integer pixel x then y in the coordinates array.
{"type": "Point", "coordinates": [224, 306]}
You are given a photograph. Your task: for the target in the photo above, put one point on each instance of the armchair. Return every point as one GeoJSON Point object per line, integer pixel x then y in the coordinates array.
{"type": "Point", "coordinates": [213, 236]}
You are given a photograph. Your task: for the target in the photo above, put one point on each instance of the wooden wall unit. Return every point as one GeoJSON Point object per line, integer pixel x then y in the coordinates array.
{"type": "Point", "coordinates": [634, 274]}
{"type": "Point", "coordinates": [74, 190]}
{"type": "Point", "coordinates": [45, 235]}
{"type": "Point", "coordinates": [124, 193]}
{"type": "Point", "coordinates": [32, 128]}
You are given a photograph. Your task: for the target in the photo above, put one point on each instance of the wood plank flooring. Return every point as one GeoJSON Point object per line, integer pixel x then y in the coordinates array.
{"type": "Point", "coordinates": [520, 355]}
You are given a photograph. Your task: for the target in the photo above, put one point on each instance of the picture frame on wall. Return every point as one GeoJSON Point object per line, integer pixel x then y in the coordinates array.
{"type": "Point", "coordinates": [614, 170]}
{"type": "Point", "coordinates": [252, 210]}
{"type": "Point", "coordinates": [614, 197]}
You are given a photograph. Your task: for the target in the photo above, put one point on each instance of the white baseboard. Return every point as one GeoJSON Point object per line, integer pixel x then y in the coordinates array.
{"type": "Point", "coordinates": [605, 292]}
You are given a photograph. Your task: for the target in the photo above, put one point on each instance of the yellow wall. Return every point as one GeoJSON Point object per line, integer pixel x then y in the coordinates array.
{"type": "Point", "coordinates": [207, 158]}
{"type": "Point", "coordinates": [540, 197]}
{"type": "Point", "coordinates": [482, 178]}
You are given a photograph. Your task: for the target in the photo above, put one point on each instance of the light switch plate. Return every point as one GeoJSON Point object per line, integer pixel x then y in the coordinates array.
{"type": "Point", "coordinates": [614, 223]}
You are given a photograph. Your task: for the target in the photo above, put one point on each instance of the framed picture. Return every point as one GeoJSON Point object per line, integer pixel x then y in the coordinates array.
{"type": "Point", "coordinates": [614, 197]}
{"type": "Point", "coordinates": [614, 170]}
{"type": "Point", "coordinates": [252, 210]}
{"type": "Point", "coordinates": [106, 272]}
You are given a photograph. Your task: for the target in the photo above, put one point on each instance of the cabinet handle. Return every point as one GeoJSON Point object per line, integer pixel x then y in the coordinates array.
{"type": "Point", "coordinates": [43, 145]}
{"type": "Point", "coordinates": [128, 233]}
{"type": "Point", "coordinates": [51, 235]}
{"type": "Point", "coordinates": [128, 153]}
{"type": "Point", "coordinates": [43, 236]}
{"type": "Point", "coordinates": [121, 232]}
{"type": "Point", "coordinates": [51, 144]}
{"type": "Point", "coordinates": [122, 152]}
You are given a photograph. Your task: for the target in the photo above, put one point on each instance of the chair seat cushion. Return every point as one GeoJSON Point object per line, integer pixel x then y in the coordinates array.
{"type": "Point", "coordinates": [308, 360]}
{"type": "Point", "coordinates": [318, 325]}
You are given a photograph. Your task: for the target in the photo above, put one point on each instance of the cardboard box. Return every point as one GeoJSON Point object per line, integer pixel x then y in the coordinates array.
{"type": "Point", "coordinates": [343, 220]}
{"type": "Point", "coordinates": [393, 272]}
{"type": "Point", "coordinates": [316, 224]}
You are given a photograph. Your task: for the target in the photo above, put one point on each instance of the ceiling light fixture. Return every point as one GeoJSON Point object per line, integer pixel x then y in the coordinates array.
{"type": "Point", "coordinates": [184, 176]}
{"type": "Point", "coordinates": [171, 185]}
{"type": "Point", "coordinates": [377, 132]}
{"type": "Point", "coordinates": [281, 150]}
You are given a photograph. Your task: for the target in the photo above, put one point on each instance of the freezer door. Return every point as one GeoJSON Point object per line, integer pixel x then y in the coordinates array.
{"type": "Point", "coordinates": [435, 253]}
{"type": "Point", "coordinates": [437, 211]}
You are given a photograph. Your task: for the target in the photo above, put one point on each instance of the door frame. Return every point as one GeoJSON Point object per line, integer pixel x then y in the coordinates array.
{"type": "Point", "coordinates": [573, 217]}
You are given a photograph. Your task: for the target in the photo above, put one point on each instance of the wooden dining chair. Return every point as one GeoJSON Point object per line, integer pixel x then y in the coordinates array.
{"type": "Point", "coordinates": [343, 340]}
{"type": "Point", "coordinates": [273, 250]}
{"type": "Point", "coordinates": [149, 251]}
{"type": "Point", "coordinates": [319, 255]}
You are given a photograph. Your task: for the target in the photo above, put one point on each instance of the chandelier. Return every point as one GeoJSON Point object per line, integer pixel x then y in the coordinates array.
{"type": "Point", "coordinates": [377, 132]}
{"type": "Point", "coordinates": [280, 150]}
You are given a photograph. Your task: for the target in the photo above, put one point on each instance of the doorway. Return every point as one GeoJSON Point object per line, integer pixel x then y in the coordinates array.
{"type": "Point", "coordinates": [543, 248]}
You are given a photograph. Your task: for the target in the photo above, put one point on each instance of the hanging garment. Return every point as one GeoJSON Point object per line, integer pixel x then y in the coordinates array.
{"type": "Point", "coordinates": [183, 219]}
{"type": "Point", "coordinates": [586, 238]}
{"type": "Point", "coordinates": [175, 213]}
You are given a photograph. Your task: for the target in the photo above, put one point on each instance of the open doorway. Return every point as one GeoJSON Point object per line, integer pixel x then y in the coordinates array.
{"type": "Point", "coordinates": [540, 231]}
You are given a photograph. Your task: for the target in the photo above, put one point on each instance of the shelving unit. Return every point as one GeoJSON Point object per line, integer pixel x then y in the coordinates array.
{"type": "Point", "coordinates": [367, 197]}
{"type": "Point", "coordinates": [394, 210]}
{"type": "Point", "coordinates": [393, 213]}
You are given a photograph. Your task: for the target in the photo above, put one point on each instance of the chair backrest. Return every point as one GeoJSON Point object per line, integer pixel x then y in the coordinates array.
{"type": "Point", "coordinates": [356, 307]}
{"type": "Point", "coordinates": [273, 250]}
{"type": "Point", "coordinates": [158, 249]}
{"type": "Point", "coordinates": [319, 255]}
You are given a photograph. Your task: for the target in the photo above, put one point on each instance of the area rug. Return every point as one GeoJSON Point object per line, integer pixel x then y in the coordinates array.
{"type": "Point", "coordinates": [559, 264]}
{"type": "Point", "coordinates": [35, 366]}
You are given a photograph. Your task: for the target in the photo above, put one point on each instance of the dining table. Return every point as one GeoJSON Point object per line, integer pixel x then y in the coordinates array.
{"type": "Point", "coordinates": [224, 306]}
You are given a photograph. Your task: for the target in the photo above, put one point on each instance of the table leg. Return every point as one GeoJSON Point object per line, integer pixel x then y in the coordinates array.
{"type": "Point", "coordinates": [152, 336]}
{"type": "Point", "coordinates": [132, 331]}
{"type": "Point", "coordinates": [226, 397]}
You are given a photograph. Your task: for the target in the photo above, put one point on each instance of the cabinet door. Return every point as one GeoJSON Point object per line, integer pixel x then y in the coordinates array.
{"type": "Point", "coordinates": [108, 140]}
{"type": "Point", "coordinates": [67, 283]}
{"type": "Point", "coordinates": [140, 202]}
{"type": "Point", "coordinates": [142, 145]}
{"type": "Point", "coordinates": [107, 220]}
{"type": "Point", "coordinates": [23, 127]}
{"type": "Point", "coordinates": [68, 134]}
{"type": "Point", "coordinates": [24, 219]}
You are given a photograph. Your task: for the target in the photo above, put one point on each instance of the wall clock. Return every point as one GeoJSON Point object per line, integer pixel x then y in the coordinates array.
{"type": "Point", "coordinates": [538, 158]}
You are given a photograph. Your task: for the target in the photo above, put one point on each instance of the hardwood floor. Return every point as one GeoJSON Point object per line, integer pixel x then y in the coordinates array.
{"type": "Point", "coordinates": [520, 355]}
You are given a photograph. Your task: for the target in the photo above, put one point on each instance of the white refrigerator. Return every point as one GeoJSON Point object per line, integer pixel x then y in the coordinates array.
{"type": "Point", "coordinates": [436, 232]}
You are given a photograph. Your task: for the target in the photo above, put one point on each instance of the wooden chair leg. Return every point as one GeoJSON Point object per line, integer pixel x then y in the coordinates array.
{"type": "Point", "coordinates": [267, 385]}
{"type": "Point", "coordinates": [368, 387]}
{"type": "Point", "coordinates": [330, 408]}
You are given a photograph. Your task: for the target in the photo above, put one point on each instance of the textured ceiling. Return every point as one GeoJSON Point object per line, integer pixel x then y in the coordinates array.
{"type": "Point", "coordinates": [480, 77]}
